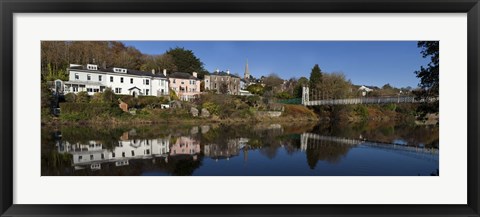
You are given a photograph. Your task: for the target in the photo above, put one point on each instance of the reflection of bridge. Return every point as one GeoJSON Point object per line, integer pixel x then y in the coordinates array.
{"type": "Point", "coordinates": [366, 100]}
{"type": "Point", "coordinates": [313, 141]}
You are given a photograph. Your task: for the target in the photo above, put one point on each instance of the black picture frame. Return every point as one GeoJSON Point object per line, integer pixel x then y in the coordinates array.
{"type": "Point", "coordinates": [9, 7]}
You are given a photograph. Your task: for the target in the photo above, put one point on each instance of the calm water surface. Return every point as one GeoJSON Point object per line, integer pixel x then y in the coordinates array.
{"type": "Point", "coordinates": [366, 149]}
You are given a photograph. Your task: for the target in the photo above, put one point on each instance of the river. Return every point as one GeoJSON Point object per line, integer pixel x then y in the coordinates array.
{"type": "Point", "coordinates": [264, 149]}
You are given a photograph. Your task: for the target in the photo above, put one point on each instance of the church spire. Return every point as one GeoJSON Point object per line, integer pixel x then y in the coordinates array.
{"type": "Point", "coordinates": [247, 72]}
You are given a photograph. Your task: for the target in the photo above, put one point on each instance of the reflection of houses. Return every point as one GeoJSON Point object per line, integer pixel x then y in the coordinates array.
{"type": "Point", "coordinates": [185, 85]}
{"type": "Point", "coordinates": [93, 79]}
{"type": "Point", "coordinates": [185, 146]}
{"type": "Point", "coordinates": [225, 151]}
{"type": "Point", "coordinates": [95, 153]}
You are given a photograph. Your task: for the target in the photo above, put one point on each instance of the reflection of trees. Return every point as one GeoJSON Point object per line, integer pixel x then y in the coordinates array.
{"type": "Point", "coordinates": [325, 151]}
{"type": "Point", "coordinates": [182, 165]}
{"type": "Point", "coordinates": [54, 163]}
{"type": "Point", "coordinates": [383, 132]}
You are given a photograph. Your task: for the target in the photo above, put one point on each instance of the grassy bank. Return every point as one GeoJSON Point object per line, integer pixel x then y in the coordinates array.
{"type": "Point", "coordinates": [110, 114]}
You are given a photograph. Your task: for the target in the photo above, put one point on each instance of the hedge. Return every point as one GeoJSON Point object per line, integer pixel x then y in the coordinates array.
{"type": "Point", "coordinates": [79, 111]}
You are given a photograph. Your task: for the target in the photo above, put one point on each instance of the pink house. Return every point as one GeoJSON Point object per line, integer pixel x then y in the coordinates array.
{"type": "Point", "coordinates": [185, 85]}
{"type": "Point", "coordinates": [185, 145]}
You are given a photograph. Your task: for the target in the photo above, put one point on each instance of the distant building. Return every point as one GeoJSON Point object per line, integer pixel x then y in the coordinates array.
{"type": "Point", "coordinates": [186, 86]}
{"type": "Point", "coordinates": [92, 79]}
{"type": "Point", "coordinates": [246, 75]}
{"type": "Point", "coordinates": [223, 82]}
{"type": "Point", "coordinates": [366, 89]}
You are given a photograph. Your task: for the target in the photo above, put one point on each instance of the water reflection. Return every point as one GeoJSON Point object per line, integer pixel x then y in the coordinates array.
{"type": "Point", "coordinates": [264, 149]}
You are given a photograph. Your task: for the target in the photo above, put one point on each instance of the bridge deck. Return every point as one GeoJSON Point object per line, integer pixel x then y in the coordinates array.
{"type": "Point", "coordinates": [370, 100]}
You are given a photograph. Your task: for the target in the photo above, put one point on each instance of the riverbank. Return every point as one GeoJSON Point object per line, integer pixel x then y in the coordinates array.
{"type": "Point", "coordinates": [290, 114]}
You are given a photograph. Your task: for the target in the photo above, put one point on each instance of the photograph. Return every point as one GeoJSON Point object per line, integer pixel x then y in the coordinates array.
{"type": "Point", "coordinates": [239, 108]}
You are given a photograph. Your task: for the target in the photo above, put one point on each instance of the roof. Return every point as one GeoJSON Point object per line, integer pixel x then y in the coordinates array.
{"type": "Point", "coordinates": [135, 87]}
{"type": "Point", "coordinates": [182, 75]}
{"type": "Point", "coordinates": [222, 73]}
{"type": "Point", "coordinates": [134, 72]}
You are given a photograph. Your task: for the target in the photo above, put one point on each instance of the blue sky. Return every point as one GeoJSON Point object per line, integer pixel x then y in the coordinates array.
{"type": "Point", "coordinates": [363, 62]}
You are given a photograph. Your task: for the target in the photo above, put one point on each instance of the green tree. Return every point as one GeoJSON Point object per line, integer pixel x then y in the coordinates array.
{"type": "Point", "coordinates": [46, 98]}
{"type": "Point", "coordinates": [186, 61]}
{"type": "Point", "coordinates": [54, 75]}
{"type": "Point", "coordinates": [315, 77]}
{"type": "Point", "coordinates": [429, 76]}
{"type": "Point", "coordinates": [256, 89]}
{"type": "Point", "coordinates": [297, 91]}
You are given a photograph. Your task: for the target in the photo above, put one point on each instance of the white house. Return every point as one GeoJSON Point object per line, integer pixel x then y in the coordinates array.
{"type": "Point", "coordinates": [366, 89]}
{"type": "Point", "coordinates": [92, 79]}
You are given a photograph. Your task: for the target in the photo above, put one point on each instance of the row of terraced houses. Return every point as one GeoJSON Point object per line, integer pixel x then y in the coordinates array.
{"type": "Point", "coordinates": [93, 79]}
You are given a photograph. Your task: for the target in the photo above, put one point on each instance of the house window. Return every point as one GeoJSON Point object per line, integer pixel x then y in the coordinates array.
{"type": "Point", "coordinates": [148, 151]}
{"type": "Point", "coordinates": [76, 76]}
{"type": "Point", "coordinates": [99, 78]}
{"type": "Point", "coordinates": [103, 156]}
{"type": "Point", "coordinates": [123, 154]}
{"type": "Point", "coordinates": [147, 82]}
{"type": "Point", "coordinates": [146, 91]}
{"type": "Point", "coordinates": [174, 81]}
{"type": "Point", "coordinates": [111, 78]}
{"type": "Point", "coordinates": [182, 82]}
{"type": "Point", "coordinates": [113, 154]}
{"type": "Point", "coordinates": [133, 153]}
{"type": "Point", "coordinates": [79, 157]}
{"type": "Point", "coordinates": [131, 80]}
{"type": "Point", "coordinates": [118, 90]}
{"type": "Point", "coordinates": [75, 89]}
{"type": "Point", "coordinates": [89, 90]}
{"type": "Point", "coordinates": [89, 77]}
{"type": "Point", "coordinates": [121, 79]}
{"type": "Point", "coordinates": [91, 157]}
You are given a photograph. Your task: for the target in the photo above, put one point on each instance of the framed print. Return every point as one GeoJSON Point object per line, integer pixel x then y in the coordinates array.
{"type": "Point", "coordinates": [196, 108]}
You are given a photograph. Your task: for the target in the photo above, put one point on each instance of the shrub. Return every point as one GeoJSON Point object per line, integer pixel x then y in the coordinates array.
{"type": "Point", "coordinates": [390, 107]}
{"type": "Point", "coordinates": [83, 111]}
{"type": "Point", "coordinates": [70, 97]}
{"type": "Point", "coordinates": [211, 107]}
{"type": "Point", "coordinates": [361, 111]}
{"type": "Point", "coordinates": [82, 97]}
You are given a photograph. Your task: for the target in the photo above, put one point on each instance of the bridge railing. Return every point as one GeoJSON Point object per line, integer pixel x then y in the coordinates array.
{"type": "Point", "coordinates": [369, 100]}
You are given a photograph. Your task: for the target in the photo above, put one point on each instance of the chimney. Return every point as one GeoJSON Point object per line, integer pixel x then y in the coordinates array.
{"type": "Point", "coordinates": [165, 72]}
{"type": "Point", "coordinates": [153, 71]}
{"type": "Point", "coordinates": [228, 71]}
{"type": "Point", "coordinates": [194, 74]}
